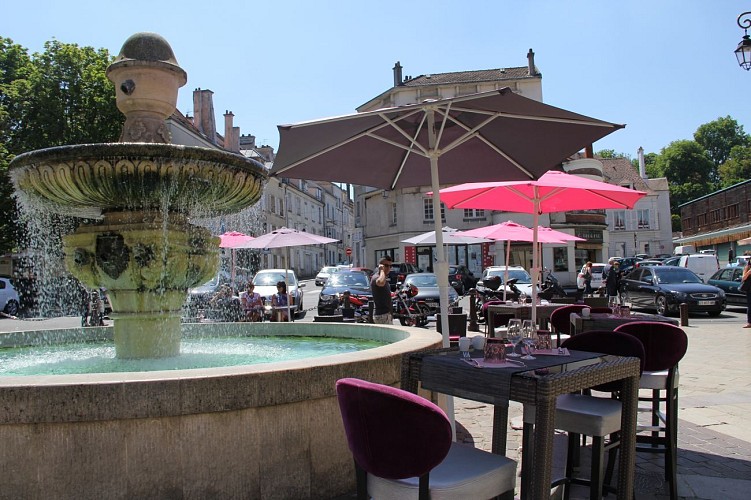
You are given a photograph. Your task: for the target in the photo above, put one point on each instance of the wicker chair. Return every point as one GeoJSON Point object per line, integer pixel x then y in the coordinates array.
{"type": "Point", "coordinates": [664, 346]}
{"type": "Point", "coordinates": [402, 447]}
{"type": "Point", "coordinates": [586, 415]}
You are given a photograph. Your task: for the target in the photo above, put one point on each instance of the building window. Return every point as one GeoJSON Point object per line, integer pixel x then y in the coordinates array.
{"type": "Point", "coordinates": [427, 209]}
{"type": "Point", "coordinates": [642, 218]}
{"type": "Point", "coordinates": [619, 220]}
{"type": "Point", "coordinates": [471, 213]}
{"type": "Point", "coordinates": [393, 214]}
{"type": "Point", "coordinates": [732, 211]}
{"type": "Point", "coordinates": [686, 223]}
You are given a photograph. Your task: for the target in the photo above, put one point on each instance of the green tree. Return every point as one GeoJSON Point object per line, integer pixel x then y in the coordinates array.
{"type": "Point", "coordinates": [688, 168]}
{"type": "Point", "coordinates": [58, 97]}
{"type": "Point", "coordinates": [718, 138]}
{"type": "Point", "coordinates": [737, 168]}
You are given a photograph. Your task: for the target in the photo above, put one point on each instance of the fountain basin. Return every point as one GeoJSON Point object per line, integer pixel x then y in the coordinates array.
{"type": "Point", "coordinates": [258, 431]}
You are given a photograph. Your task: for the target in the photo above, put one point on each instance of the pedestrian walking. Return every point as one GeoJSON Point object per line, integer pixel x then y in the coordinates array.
{"type": "Point", "coordinates": [746, 285]}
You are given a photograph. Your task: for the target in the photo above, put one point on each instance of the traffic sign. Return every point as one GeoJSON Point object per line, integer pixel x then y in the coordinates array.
{"type": "Point", "coordinates": [348, 251]}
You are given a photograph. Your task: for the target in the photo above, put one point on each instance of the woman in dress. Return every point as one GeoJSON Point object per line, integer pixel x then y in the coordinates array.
{"type": "Point", "coordinates": [252, 304]}
{"type": "Point", "coordinates": [279, 302]}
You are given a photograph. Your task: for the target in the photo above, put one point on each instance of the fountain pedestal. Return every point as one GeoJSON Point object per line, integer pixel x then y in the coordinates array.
{"type": "Point", "coordinates": [147, 262]}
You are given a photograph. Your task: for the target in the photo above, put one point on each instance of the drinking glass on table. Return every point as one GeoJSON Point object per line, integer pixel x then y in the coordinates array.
{"type": "Point", "coordinates": [514, 335]}
{"type": "Point", "coordinates": [529, 338]}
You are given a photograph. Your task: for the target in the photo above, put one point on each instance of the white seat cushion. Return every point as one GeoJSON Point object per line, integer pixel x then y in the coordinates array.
{"type": "Point", "coordinates": [656, 380]}
{"type": "Point", "coordinates": [466, 472]}
{"type": "Point", "coordinates": [580, 414]}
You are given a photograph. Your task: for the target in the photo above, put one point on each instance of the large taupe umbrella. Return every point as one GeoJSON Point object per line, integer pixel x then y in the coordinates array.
{"type": "Point", "coordinates": [489, 136]}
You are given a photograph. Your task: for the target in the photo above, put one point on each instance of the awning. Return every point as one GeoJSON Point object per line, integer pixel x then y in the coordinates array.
{"type": "Point", "coordinates": [716, 237]}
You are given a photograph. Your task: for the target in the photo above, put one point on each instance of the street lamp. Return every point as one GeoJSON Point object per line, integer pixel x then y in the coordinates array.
{"type": "Point", "coordinates": [743, 52]}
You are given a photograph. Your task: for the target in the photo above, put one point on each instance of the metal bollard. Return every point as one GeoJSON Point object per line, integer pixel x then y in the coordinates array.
{"type": "Point", "coordinates": [683, 308]}
{"type": "Point", "coordinates": [473, 326]}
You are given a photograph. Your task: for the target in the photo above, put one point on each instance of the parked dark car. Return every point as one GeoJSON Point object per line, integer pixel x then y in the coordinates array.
{"type": "Point", "coordinates": [356, 282]}
{"type": "Point", "coordinates": [427, 290]}
{"type": "Point", "coordinates": [728, 279]}
{"type": "Point", "coordinates": [399, 270]}
{"type": "Point", "coordinates": [664, 288]}
{"type": "Point", "coordinates": [461, 278]}
{"type": "Point", "coordinates": [671, 261]}
{"type": "Point", "coordinates": [627, 264]}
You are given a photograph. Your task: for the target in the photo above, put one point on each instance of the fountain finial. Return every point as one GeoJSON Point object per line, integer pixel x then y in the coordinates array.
{"type": "Point", "coordinates": [146, 77]}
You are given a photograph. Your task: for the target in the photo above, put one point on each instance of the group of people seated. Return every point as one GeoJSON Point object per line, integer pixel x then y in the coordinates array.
{"type": "Point", "coordinates": [250, 306]}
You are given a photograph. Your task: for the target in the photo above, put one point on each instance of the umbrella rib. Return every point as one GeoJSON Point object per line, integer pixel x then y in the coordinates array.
{"type": "Point", "coordinates": [572, 121]}
{"type": "Point", "coordinates": [409, 150]}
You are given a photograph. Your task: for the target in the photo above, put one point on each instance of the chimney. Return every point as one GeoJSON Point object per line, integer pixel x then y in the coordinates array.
{"type": "Point", "coordinates": [229, 136]}
{"type": "Point", "coordinates": [531, 63]}
{"type": "Point", "coordinates": [642, 166]}
{"type": "Point", "coordinates": [397, 74]}
{"type": "Point", "coordinates": [236, 139]}
{"type": "Point", "coordinates": [203, 112]}
{"type": "Point", "coordinates": [589, 152]}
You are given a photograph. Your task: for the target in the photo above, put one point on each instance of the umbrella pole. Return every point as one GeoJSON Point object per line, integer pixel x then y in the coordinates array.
{"type": "Point", "coordinates": [286, 282]}
{"type": "Point", "coordinates": [441, 267]}
{"type": "Point", "coordinates": [505, 272]}
{"type": "Point", "coordinates": [535, 256]}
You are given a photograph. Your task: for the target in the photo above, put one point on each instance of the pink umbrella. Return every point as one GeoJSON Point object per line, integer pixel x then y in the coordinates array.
{"type": "Point", "coordinates": [553, 192]}
{"type": "Point", "coordinates": [511, 231]}
{"type": "Point", "coordinates": [233, 240]}
{"type": "Point", "coordinates": [285, 237]}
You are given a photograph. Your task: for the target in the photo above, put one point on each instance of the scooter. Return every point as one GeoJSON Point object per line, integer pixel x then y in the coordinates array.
{"type": "Point", "coordinates": [407, 309]}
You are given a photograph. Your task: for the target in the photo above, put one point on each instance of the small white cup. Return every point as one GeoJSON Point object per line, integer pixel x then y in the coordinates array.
{"type": "Point", "coordinates": [478, 342]}
{"type": "Point", "coordinates": [585, 312]}
{"type": "Point", "coordinates": [464, 343]}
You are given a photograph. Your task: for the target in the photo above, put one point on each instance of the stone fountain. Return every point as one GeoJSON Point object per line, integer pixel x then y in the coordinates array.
{"type": "Point", "coordinates": [254, 431]}
{"type": "Point", "coordinates": [144, 251]}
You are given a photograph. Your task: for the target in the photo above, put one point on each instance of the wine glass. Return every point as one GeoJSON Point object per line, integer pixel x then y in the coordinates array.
{"type": "Point", "coordinates": [529, 337]}
{"type": "Point", "coordinates": [514, 335]}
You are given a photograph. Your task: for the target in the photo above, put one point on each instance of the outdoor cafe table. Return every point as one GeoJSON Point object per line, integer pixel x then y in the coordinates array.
{"type": "Point", "coordinates": [609, 321]}
{"type": "Point", "coordinates": [538, 383]}
{"type": "Point", "coordinates": [521, 311]}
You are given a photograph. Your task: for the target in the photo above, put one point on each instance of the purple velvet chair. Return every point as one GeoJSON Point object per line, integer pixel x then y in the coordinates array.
{"type": "Point", "coordinates": [560, 320]}
{"type": "Point", "coordinates": [402, 448]}
{"type": "Point", "coordinates": [664, 346]}
{"type": "Point", "coordinates": [587, 415]}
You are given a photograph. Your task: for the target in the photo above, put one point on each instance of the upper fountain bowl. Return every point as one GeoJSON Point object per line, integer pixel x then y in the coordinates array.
{"type": "Point", "coordinates": [86, 180]}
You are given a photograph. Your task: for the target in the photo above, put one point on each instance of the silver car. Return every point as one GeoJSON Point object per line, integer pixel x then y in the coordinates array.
{"type": "Point", "coordinates": [9, 301]}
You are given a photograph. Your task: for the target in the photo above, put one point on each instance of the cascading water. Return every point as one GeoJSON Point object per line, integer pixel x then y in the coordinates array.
{"type": "Point", "coordinates": [143, 247]}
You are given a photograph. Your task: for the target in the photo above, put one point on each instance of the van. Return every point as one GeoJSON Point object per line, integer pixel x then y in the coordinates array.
{"type": "Point", "coordinates": [684, 250]}
{"type": "Point", "coordinates": [702, 264]}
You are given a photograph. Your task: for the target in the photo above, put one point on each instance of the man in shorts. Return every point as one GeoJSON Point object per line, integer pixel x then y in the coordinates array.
{"type": "Point", "coordinates": [381, 288]}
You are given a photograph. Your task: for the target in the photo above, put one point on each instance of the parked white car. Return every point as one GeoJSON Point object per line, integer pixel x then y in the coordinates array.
{"type": "Point", "coordinates": [9, 301]}
{"type": "Point", "coordinates": [524, 280]}
{"type": "Point", "coordinates": [324, 274]}
{"type": "Point", "coordinates": [265, 284]}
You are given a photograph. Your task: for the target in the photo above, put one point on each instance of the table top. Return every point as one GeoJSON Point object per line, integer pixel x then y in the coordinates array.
{"type": "Point", "coordinates": [601, 318]}
{"type": "Point", "coordinates": [448, 373]}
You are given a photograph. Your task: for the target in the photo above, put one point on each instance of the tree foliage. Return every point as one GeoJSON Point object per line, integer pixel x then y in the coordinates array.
{"type": "Point", "coordinates": [719, 137]}
{"type": "Point", "coordinates": [688, 169]}
{"type": "Point", "coordinates": [60, 96]}
{"type": "Point", "coordinates": [737, 168]}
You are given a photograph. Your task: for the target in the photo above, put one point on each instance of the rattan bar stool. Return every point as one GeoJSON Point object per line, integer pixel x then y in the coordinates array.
{"type": "Point", "coordinates": [664, 346]}
{"type": "Point", "coordinates": [587, 415]}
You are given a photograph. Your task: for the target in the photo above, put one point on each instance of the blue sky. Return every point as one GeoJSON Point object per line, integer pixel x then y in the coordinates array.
{"type": "Point", "coordinates": [662, 67]}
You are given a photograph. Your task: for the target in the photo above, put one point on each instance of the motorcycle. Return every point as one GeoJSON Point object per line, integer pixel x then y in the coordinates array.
{"type": "Point", "coordinates": [489, 293]}
{"type": "Point", "coordinates": [407, 309]}
{"type": "Point", "coordinates": [551, 287]}
{"type": "Point", "coordinates": [358, 305]}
